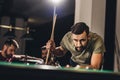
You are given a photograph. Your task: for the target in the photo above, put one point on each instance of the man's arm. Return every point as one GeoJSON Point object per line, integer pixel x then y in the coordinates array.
{"type": "Point", "coordinates": [96, 60]}
{"type": "Point", "coordinates": [59, 51]}
{"type": "Point", "coordinates": [98, 52]}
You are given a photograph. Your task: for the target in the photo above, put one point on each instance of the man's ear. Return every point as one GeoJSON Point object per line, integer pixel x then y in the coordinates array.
{"type": "Point", "coordinates": [4, 48]}
{"type": "Point", "coordinates": [88, 36]}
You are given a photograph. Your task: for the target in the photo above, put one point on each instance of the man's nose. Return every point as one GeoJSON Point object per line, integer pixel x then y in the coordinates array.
{"type": "Point", "coordinates": [79, 44]}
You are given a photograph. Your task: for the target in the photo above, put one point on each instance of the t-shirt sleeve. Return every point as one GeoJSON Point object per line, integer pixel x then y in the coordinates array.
{"type": "Point", "coordinates": [99, 46]}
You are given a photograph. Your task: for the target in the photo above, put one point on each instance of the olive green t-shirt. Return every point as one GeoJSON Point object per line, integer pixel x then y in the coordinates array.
{"type": "Point", "coordinates": [95, 45]}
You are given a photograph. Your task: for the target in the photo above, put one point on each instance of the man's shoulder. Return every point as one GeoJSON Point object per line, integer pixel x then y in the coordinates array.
{"type": "Point", "coordinates": [67, 38]}
{"type": "Point", "coordinates": [94, 36]}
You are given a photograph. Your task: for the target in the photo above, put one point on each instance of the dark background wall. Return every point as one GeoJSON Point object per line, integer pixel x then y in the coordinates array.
{"type": "Point", "coordinates": [110, 24]}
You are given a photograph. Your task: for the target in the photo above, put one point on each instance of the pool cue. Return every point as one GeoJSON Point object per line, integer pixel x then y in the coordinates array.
{"type": "Point", "coordinates": [52, 37]}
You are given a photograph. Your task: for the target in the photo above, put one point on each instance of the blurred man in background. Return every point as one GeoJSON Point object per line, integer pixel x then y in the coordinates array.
{"type": "Point", "coordinates": [8, 50]}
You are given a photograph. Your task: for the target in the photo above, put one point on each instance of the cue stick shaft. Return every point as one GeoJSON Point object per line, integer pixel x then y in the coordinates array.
{"type": "Point", "coordinates": [52, 37]}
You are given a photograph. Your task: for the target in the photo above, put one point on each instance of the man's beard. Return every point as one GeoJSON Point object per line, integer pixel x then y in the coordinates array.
{"type": "Point", "coordinates": [8, 55]}
{"type": "Point", "coordinates": [80, 49]}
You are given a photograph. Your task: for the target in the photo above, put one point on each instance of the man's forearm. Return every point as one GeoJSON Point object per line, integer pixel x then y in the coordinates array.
{"type": "Point", "coordinates": [57, 52]}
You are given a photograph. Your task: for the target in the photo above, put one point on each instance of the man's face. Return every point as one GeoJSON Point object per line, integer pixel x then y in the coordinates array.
{"type": "Point", "coordinates": [44, 53]}
{"type": "Point", "coordinates": [10, 50]}
{"type": "Point", "coordinates": [80, 41]}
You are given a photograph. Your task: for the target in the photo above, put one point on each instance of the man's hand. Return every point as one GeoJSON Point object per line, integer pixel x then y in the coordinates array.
{"type": "Point", "coordinates": [57, 51]}
{"type": "Point", "coordinates": [50, 45]}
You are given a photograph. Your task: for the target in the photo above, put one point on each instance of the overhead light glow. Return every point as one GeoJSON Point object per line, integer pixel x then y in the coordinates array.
{"type": "Point", "coordinates": [56, 2]}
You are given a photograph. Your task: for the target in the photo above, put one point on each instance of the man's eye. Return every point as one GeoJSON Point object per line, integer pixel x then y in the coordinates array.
{"type": "Point", "coordinates": [83, 40]}
{"type": "Point", "coordinates": [75, 40]}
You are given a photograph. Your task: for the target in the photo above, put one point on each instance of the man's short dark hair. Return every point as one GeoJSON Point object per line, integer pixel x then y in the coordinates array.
{"type": "Point", "coordinates": [79, 28]}
{"type": "Point", "coordinates": [10, 42]}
